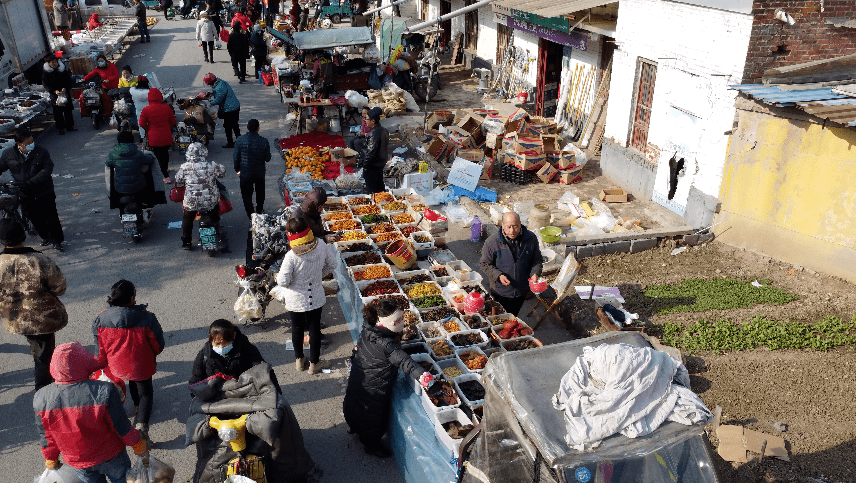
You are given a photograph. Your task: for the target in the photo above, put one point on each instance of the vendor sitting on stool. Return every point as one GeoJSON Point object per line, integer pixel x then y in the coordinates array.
{"type": "Point", "coordinates": [358, 141]}
{"type": "Point", "coordinates": [374, 155]}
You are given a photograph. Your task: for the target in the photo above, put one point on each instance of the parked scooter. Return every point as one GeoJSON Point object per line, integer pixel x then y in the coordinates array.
{"type": "Point", "coordinates": [92, 101]}
{"type": "Point", "coordinates": [425, 76]}
{"type": "Point", "coordinates": [197, 118]}
{"type": "Point", "coordinates": [123, 108]}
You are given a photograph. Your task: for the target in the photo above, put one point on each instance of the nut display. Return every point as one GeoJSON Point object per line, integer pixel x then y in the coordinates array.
{"type": "Point", "coordinates": [335, 207]}
{"type": "Point", "coordinates": [395, 206]}
{"type": "Point", "coordinates": [440, 313]}
{"type": "Point", "coordinates": [339, 215]}
{"type": "Point", "coordinates": [408, 230]}
{"type": "Point", "coordinates": [402, 218]}
{"type": "Point", "coordinates": [441, 348]}
{"type": "Point", "coordinates": [410, 321]}
{"type": "Point", "coordinates": [418, 207]}
{"type": "Point", "coordinates": [374, 218]}
{"type": "Point", "coordinates": [440, 271]}
{"type": "Point", "coordinates": [422, 289]}
{"type": "Point", "coordinates": [462, 340]}
{"type": "Point", "coordinates": [367, 258]}
{"type": "Point", "coordinates": [356, 247]}
{"type": "Point", "coordinates": [476, 322]}
{"type": "Point", "coordinates": [373, 273]}
{"type": "Point", "coordinates": [429, 301]}
{"type": "Point", "coordinates": [452, 326]}
{"type": "Point", "coordinates": [519, 345]}
{"type": "Point", "coordinates": [354, 235]}
{"type": "Point", "coordinates": [421, 239]}
{"type": "Point", "coordinates": [400, 301]}
{"type": "Point", "coordinates": [382, 197]}
{"type": "Point", "coordinates": [432, 332]}
{"type": "Point", "coordinates": [359, 201]}
{"type": "Point", "coordinates": [452, 372]}
{"type": "Point", "coordinates": [380, 228]}
{"type": "Point", "coordinates": [384, 237]}
{"type": "Point", "coordinates": [473, 390]}
{"type": "Point", "coordinates": [473, 360]}
{"type": "Point", "coordinates": [419, 278]}
{"type": "Point", "coordinates": [380, 287]}
{"type": "Point", "coordinates": [365, 210]}
{"type": "Point", "coordinates": [342, 225]}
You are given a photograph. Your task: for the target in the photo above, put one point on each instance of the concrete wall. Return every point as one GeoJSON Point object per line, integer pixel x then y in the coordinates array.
{"type": "Point", "coordinates": [459, 22]}
{"type": "Point", "coordinates": [699, 52]}
{"type": "Point", "coordinates": [788, 192]}
{"type": "Point", "coordinates": [487, 35]}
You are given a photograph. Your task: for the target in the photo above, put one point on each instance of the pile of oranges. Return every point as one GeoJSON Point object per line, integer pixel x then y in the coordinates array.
{"type": "Point", "coordinates": [307, 160]}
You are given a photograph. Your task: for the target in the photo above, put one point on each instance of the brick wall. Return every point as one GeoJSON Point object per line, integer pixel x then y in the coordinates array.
{"type": "Point", "coordinates": [775, 44]}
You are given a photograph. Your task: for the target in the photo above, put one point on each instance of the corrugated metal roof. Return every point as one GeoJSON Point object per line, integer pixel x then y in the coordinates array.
{"type": "Point", "coordinates": [553, 8]}
{"type": "Point", "coordinates": [823, 103]}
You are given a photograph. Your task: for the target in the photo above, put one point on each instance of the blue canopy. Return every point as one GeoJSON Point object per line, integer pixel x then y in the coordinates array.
{"type": "Point", "coordinates": [330, 38]}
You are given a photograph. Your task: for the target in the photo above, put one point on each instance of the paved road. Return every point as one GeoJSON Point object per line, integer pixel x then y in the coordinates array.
{"type": "Point", "coordinates": [185, 290]}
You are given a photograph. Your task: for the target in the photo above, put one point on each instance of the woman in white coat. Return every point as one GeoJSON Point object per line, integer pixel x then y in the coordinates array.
{"type": "Point", "coordinates": [206, 33]}
{"type": "Point", "coordinates": [299, 289]}
{"type": "Point", "coordinates": [140, 94]}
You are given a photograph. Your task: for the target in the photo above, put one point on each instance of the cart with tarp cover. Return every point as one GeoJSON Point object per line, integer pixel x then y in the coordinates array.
{"type": "Point", "coordinates": [521, 437]}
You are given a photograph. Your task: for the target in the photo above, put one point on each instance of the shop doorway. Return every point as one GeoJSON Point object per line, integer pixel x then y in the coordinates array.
{"type": "Point", "coordinates": [471, 27]}
{"type": "Point", "coordinates": [423, 12]}
{"type": "Point", "coordinates": [549, 76]}
{"type": "Point", "coordinates": [446, 7]}
{"type": "Point", "coordinates": [503, 39]}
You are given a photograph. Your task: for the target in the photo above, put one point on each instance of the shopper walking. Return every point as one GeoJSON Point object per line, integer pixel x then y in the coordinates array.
{"type": "Point", "coordinates": [206, 33]}
{"type": "Point", "coordinates": [511, 258]}
{"type": "Point", "coordinates": [260, 48]}
{"type": "Point", "coordinates": [140, 14]}
{"type": "Point", "coordinates": [157, 120]}
{"type": "Point", "coordinates": [201, 194]}
{"type": "Point", "coordinates": [57, 81]}
{"type": "Point", "coordinates": [252, 152]}
{"type": "Point", "coordinates": [238, 46]}
{"type": "Point", "coordinates": [30, 287]}
{"type": "Point", "coordinates": [299, 289]}
{"type": "Point", "coordinates": [129, 338]}
{"type": "Point", "coordinates": [229, 108]}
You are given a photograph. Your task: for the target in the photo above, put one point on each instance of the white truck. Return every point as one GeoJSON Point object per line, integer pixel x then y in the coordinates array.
{"type": "Point", "coordinates": [25, 35]}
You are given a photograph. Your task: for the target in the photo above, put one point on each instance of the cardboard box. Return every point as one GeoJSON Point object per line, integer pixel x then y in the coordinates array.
{"type": "Point", "coordinates": [553, 157]}
{"type": "Point", "coordinates": [439, 147]}
{"type": "Point", "coordinates": [547, 173]}
{"type": "Point", "coordinates": [516, 120]}
{"type": "Point", "coordinates": [566, 163]}
{"type": "Point", "coordinates": [521, 127]}
{"type": "Point", "coordinates": [551, 143]}
{"type": "Point", "coordinates": [542, 125]}
{"type": "Point", "coordinates": [461, 138]}
{"type": "Point", "coordinates": [472, 125]}
{"type": "Point", "coordinates": [508, 142]}
{"type": "Point", "coordinates": [474, 155]}
{"type": "Point", "coordinates": [569, 177]}
{"type": "Point", "coordinates": [613, 195]}
{"type": "Point", "coordinates": [518, 113]}
{"type": "Point", "coordinates": [525, 161]}
{"type": "Point", "coordinates": [735, 441]}
{"type": "Point", "coordinates": [346, 156]}
{"type": "Point", "coordinates": [525, 145]}
{"type": "Point", "coordinates": [440, 117]}
{"type": "Point", "coordinates": [485, 112]}
{"type": "Point", "coordinates": [81, 65]}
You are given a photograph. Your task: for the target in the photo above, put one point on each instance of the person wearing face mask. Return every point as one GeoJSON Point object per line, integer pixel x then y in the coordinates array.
{"type": "Point", "coordinates": [31, 167]}
{"type": "Point", "coordinates": [374, 368]}
{"type": "Point", "coordinates": [57, 81]}
{"type": "Point", "coordinates": [227, 352]}
{"type": "Point", "coordinates": [511, 258]}
{"type": "Point", "coordinates": [129, 338]}
{"type": "Point", "coordinates": [299, 289]}
{"type": "Point", "coordinates": [109, 75]}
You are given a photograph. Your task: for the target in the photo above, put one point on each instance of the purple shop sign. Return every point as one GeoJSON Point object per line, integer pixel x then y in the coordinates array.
{"type": "Point", "coordinates": [577, 41]}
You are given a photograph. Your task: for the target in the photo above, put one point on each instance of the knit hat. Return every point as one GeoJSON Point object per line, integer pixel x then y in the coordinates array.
{"type": "Point", "coordinates": [302, 238]}
{"type": "Point", "coordinates": [72, 363]}
{"type": "Point", "coordinates": [375, 113]}
{"type": "Point", "coordinates": [11, 232]}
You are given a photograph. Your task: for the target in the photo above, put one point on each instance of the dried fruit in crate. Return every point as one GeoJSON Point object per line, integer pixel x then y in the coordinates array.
{"type": "Point", "coordinates": [452, 372]}
{"type": "Point", "coordinates": [380, 228]}
{"type": "Point", "coordinates": [473, 360]}
{"type": "Point", "coordinates": [356, 247]}
{"type": "Point", "coordinates": [419, 278]}
{"type": "Point", "coordinates": [374, 218]}
{"type": "Point", "coordinates": [456, 430]}
{"type": "Point", "coordinates": [354, 235]}
{"type": "Point", "coordinates": [462, 340]}
{"type": "Point", "coordinates": [339, 215]}
{"type": "Point", "coordinates": [451, 326]}
{"type": "Point", "coordinates": [373, 273]}
{"type": "Point", "coordinates": [441, 348]}
{"type": "Point", "coordinates": [418, 207]}
{"type": "Point", "coordinates": [408, 230]}
{"type": "Point", "coordinates": [445, 395]}
{"type": "Point", "coordinates": [385, 237]}
{"type": "Point", "coordinates": [365, 210]}
{"type": "Point", "coordinates": [473, 390]}
{"type": "Point", "coordinates": [421, 239]}
{"type": "Point", "coordinates": [342, 225]}
{"type": "Point", "coordinates": [476, 322]}
{"type": "Point", "coordinates": [440, 313]}
{"type": "Point", "coordinates": [335, 207]}
{"type": "Point", "coordinates": [367, 258]}
{"type": "Point", "coordinates": [380, 287]}
{"type": "Point", "coordinates": [422, 289]}
{"type": "Point", "coordinates": [400, 301]}
{"type": "Point", "coordinates": [440, 271]}
{"type": "Point", "coordinates": [396, 206]}
{"type": "Point", "coordinates": [429, 301]}
{"type": "Point", "coordinates": [402, 219]}
{"type": "Point", "coordinates": [382, 197]}
{"type": "Point", "coordinates": [512, 329]}
{"type": "Point", "coordinates": [359, 201]}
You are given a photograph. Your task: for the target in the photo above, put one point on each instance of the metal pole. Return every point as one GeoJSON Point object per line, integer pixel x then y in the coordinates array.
{"type": "Point", "coordinates": [378, 9]}
{"type": "Point", "coordinates": [448, 16]}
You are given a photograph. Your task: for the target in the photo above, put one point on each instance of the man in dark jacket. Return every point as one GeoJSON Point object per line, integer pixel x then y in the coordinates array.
{"type": "Point", "coordinates": [57, 81]}
{"type": "Point", "coordinates": [260, 48]}
{"type": "Point", "coordinates": [510, 259]}
{"type": "Point", "coordinates": [129, 166]}
{"type": "Point", "coordinates": [31, 167]}
{"type": "Point", "coordinates": [251, 153]}
{"type": "Point", "coordinates": [238, 46]}
{"type": "Point", "coordinates": [140, 13]}
{"type": "Point", "coordinates": [376, 152]}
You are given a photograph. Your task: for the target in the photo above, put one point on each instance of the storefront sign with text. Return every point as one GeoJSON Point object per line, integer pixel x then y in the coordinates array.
{"type": "Point", "coordinates": [575, 40]}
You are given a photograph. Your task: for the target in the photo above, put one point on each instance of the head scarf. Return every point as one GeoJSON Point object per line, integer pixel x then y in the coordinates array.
{"type": "Point", "coordinates": [303, 242]}
{"type": "Point", "coordinates": [313, 202]}
{"type": "Point", "coordinates": [196, 153]}
{"type": "Point", "coordinates": [72, 363]}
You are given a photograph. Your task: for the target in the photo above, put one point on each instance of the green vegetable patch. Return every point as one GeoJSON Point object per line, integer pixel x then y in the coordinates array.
{"type": "Point", "coordinates": [696, 295]}
{"type": "Point", "coordinates": [725, 335]}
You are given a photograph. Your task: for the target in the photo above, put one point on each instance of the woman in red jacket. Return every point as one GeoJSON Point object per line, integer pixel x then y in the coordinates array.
{"type": "Point", "coordinates": [109, 75]}
{"type": "Point", "coordinates": [158, 120]}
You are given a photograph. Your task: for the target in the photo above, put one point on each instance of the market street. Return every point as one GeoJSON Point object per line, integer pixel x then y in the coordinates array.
{"type": "Point", "coordinates": [185, 290]}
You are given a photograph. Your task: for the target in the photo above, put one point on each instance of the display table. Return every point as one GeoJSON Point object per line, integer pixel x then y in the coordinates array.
{"type": "Point", "coordinates": [420, 456]}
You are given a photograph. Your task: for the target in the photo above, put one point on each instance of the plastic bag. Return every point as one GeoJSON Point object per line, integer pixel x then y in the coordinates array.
{"type": "Point", "coordinates": [438, 196]}
{"type": "Point", "coordinates": [457, 213]}
{"type": "Point", "coordinates": [604, 221]}
{"type": "Point", "coordinates": [568, 200]}
{"type": "Point", "coordinates": [157, 471]}
{"type": "Point", "coordinates": [218, 44]}
{"type": "Point", "coordinates": [579, 156]}
{"type": "Point", "coordinates": [52, 476]}
{"type": "Point", "coordinates": [371, 54]}
{"type": "Point", "coordinates": [410, 102]}
{"type": "Point", "coordinates": [114, 123]}
{"type": "Point", "coordinates": [355, 99]}
{"type": "Point", "coordinates": [247, 306]}
{"type": "Point", "coordinates": [61, 100]}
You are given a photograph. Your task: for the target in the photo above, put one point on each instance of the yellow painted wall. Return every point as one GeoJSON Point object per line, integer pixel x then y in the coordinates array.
{"type": "Point", "coordinates": [789, 191]}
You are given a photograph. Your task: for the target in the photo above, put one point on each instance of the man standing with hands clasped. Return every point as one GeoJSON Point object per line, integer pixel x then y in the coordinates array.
{"type": "Point", "coordinates": [251, 153]}
{"type": "Point", "coordinates": [510, 259]}
{"type": "Point", "coordinates": [375, 153]}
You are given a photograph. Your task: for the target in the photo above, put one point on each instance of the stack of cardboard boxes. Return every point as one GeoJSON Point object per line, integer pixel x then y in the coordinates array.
{"type": "Point", "coordinates": [520, 141]}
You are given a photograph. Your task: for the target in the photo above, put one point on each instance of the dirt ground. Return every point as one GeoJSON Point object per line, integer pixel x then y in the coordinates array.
{"type": "Point", "coordinates": [812, 392]}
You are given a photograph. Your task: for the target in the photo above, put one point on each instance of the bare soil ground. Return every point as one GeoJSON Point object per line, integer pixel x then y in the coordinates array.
{"type": "Point", "coordinates": [813, 392]}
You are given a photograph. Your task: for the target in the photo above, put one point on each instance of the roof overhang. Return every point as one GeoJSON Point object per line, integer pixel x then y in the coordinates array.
{"type": "Point", "coordinates": [553, 8]}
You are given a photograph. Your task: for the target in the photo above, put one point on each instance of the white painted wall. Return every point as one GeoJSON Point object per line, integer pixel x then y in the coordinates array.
{"type": "Point", "coordinates": [699, 51]}
{"type": "Point", "coordinates": [409, 9]}
{"type": "Point", "coordinates": [572, 61]}
{"type": "Point", "coordinates": [459, 22]}
{"type": "Point", "coordinates": [487, 35]}
{"type": "Point", "coordinates": [529, 42]}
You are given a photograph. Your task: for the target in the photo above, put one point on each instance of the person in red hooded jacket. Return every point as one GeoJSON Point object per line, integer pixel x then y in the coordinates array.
{"type": "Point", "coordinates": [83, 419]}
{"type": "Point", "coordinates": [158, 119]}
{"type": "Point", "coordinates": [94, 22]}
{"type": "Point", "coordinates": [242, 19]}
{"type": "Point", "coordinates": [109, 75]}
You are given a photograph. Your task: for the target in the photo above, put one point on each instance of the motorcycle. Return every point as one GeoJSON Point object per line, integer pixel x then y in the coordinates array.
{"type": "Point", "coordinates": [133, 217]}
{"type": "Point", "coordinates": [123, 108]}
{"type": "Point", "coordinates": [267, 244]}
{"type": "Point", "coordinates": [212, 236]}
{"type": "Point", "coordinates": [425, 78]}
{"type": "Point", "coordinates": [92, 101]}
{"type": "Point", "coordinates": [197, 119]}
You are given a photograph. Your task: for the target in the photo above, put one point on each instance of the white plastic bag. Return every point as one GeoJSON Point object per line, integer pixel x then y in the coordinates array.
{"type": "Point", "coordinates": [355, 99]}
{"type": "Point", "coordinates": [371, 54]}
{"type": "Point", "coordinates": [457, 213]}
{"type": "Point", "coordinates": [149, 469]}
{"type": "Point", "coordinates": [412, 106]}
{"type": "Point", "coordinates": [568, 200]}
{"type": "Point", "coordinates": [51, 476]}
{"type": "Point", "coordinates": [218, 44]}
{"type": "Point", "coordinates": [247, 306]}
{"type": "Point", "coordinates": [579, 156]}
{"type": "Point", "coordinates": [61, 100]}
{"type": "Point", "coordinates": [114, 123]}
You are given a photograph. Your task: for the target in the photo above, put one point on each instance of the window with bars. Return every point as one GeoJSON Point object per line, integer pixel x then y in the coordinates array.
{"type": "Point", "coordinates": [642, 101]}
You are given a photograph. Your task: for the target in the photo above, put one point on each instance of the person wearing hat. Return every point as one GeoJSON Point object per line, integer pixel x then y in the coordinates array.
{"type": "Point", "coordinates": [57, 81]}
{"type": "Point", "coordinates": [31, 167]}
{"type": "Point", "coordinates": [259, 47]}
{"type": "Point", "coordinates": [374, 155]}
{"type": "Point", "coordinates": [30, 287]}
{"type": "Point", "coordinates": [206, 33]}
{"type": "Point", "coordinates": [228, 106]}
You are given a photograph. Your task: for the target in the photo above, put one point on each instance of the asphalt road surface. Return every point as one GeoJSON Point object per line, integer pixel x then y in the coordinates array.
{"type": "Point", "coordinates": [186, 290]}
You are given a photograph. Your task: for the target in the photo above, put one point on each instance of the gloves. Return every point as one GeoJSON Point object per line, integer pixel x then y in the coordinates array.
{"type": "Point", "coordinates": [140, 447]}
{"type": "Point", "coordinates": [52, 464]}
{"type": "Point", "coordinates": [426, 379]}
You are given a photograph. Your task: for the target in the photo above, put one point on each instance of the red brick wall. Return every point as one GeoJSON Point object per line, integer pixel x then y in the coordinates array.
{"type": "Point", "coordinates": [811, 38]}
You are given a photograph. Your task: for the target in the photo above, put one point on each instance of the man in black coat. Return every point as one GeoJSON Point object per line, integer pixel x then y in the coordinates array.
{"type": "Point", "coordinates": [140, 13]}
{"type": "Point", "coordinates": [31, 167]}
{"type": "Point", "coordinates": [57, 81]}
{"type": "Point", "coordinates": [376, 152]}
{"type": "Point", "coordinates": [251, 153]}
{"type": "Point", "coordinates": [260, 48]}
{"type": "Point", "coordinates": [238, 46]}
{"type": "Point", "coordinates": [510, 259]}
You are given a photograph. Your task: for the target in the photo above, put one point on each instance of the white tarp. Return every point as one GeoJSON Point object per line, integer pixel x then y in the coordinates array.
{"type": "Point", "coordinates": [618, 388]}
